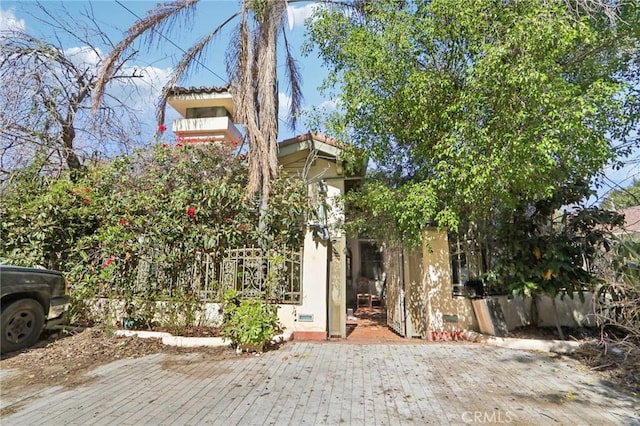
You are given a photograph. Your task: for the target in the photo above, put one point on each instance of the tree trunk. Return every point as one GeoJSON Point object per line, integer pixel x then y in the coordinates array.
{"type": "Point", "coordinates": [534, 310]}
{"type": "Point", "coordinates": [556, 317]}
{"type": "Point", "coordinates": [70, 156]}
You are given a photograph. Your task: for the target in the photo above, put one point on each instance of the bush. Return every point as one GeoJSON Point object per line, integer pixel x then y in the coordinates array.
{"type": "Point", "coordinates": [131, 227]}
{"type": "Point", "coordinates": [248, 322]}
{"type": "Point", "coordinates": [619, 296]}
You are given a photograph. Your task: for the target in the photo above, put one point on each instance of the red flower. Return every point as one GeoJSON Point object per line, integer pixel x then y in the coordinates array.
{"type": "Point", "coordinates": [229, 219]}
{"type": "Point", "coordinates": [109, 261]}
{"type": "Point", "coordinates": [123, 222]}
{"type": "Point", "coordinates": [241, 228]}
{"type": "Point", "coordinates": [162, 128]}
{"type": "Point", "coordinates": [191, 212]}
{"type": "Point", "coordinates": [86, 201]}
{"type": "Point", "coordinates": [164, 145]}
{"type": "Point", "coordinates": [178, 145]}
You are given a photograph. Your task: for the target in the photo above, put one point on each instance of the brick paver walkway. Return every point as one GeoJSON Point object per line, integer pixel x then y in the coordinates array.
{"type": "Point", "coordinates": [334, 383]}
{"type": "Point", "coordinates": [370, 326]}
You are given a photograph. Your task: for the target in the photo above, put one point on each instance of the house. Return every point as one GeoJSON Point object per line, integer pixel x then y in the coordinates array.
{"type": "Point", "coordinates": [631, 227]}
{"type": "Point", "coordinates": [207, 115]}
{"type": "Point", "coordinates": [337, 270]}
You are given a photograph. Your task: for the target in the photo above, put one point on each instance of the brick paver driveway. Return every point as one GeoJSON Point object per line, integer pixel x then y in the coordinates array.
{"type": "Point", "coordinates": [333, 383]}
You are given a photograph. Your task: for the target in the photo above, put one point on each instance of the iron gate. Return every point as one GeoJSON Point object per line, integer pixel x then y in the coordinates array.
{"type": "Point", "coordinates": [394, 268]}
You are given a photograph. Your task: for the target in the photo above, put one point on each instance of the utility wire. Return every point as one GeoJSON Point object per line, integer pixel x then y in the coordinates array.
{"type": "Point", "coordinates": [181, 49]}
{"type": "Point", "coordinates": [171, 42]}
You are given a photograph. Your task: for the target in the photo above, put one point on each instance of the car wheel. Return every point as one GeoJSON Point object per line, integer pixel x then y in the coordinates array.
{"type": "Point", "coordinates": [22, 322]}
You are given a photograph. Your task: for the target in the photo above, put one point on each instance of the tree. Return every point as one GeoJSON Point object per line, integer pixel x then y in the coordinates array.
{"type": "Point", "coordinates": [45, 98]}
{"type": "Point", "coordinates": [251, 65]}
{"type": "Point", "coordinates": [481, 117]}
{"type": "Point", "coordinates": [623, 197]}
{"type": "Point", "coordinates": [489, 104]}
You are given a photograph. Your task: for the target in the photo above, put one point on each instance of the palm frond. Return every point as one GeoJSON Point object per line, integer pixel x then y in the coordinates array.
{"type": "Point", "coordinates": [152, 24]}
{"type": "Point", "coordinates": [241, 70]}
{"type": "Point", "coordinates": [268, 29]}
{"type": "Point", "coordinates": [294, 80]}
{"type": "Point", "coordinates": [190, 62]}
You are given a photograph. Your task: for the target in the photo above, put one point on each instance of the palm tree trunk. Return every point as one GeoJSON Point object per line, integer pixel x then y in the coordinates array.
{"type": "Point", "coordinates": [263, 148]}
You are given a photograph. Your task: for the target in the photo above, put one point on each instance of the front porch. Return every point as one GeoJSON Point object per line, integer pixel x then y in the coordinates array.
{"type": "Point", "coordinates": [368, 325]}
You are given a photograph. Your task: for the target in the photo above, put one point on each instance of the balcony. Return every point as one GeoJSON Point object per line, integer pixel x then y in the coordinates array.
{"type": "Point", "coordinates": [215, 127]}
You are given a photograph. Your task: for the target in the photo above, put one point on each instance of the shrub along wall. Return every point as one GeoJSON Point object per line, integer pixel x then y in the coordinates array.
{"type": "Point", "coordinates": [168, 203]}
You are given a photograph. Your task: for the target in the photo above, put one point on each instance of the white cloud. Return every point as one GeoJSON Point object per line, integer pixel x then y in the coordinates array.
{"type": "Point", "coordinates": [142, 91]}
{"type": "Point", "coordinates": [8, 21]}
{"type": "Point", "coordinates": [297, 15]}
{"type": "Point", "coordinates": [84, 55]}
{"type": "Point", "coordinates": [284, 103]}
{"type": "Point", "coordinates": [328, 105]}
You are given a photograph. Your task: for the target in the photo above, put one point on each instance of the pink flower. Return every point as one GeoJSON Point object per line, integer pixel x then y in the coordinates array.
{"type": "Point", "coordinates": [241, 229]}
{"type": "Point", "coordinates": [162, 128]}
{"type": "Point", "coordinates": [229, 219]}
{"type": "Point", "coordinates": [191, 212]}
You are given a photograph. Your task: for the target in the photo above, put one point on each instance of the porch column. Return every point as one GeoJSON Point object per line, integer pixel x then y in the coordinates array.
{"type": "Point", "coordinates": [337, 286]}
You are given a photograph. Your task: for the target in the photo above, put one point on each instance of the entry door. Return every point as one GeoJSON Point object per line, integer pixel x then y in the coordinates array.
{"type": "Point", "coordinates": [394, 269]}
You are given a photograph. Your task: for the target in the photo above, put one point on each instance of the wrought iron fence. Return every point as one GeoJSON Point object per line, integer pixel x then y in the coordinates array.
{"type": "Point", "coordinates": [275, 276]}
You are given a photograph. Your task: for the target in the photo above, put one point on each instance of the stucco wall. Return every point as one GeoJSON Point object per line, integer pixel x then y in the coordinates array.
{"type": "Point", "coordinates": [572, 312]}
{"type": "Point", "coordinates": [314, 290]}
{"type": "Point", "coordinates": [443, 312]}
{"type": "Point", "coordinates": [323, 296]}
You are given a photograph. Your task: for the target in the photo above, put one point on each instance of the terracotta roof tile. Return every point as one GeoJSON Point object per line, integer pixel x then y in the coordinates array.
{"type": "Point", "coordinates": [198, 90]}
{"type": "Point", "coordinates": [307, 137]}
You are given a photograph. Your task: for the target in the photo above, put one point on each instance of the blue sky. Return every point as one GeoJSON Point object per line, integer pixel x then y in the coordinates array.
{"type": "Point", "coordinates": [114, 17]}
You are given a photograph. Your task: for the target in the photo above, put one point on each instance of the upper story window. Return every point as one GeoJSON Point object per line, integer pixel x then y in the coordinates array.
{"type": "Point", "coordinates": [207, 112]}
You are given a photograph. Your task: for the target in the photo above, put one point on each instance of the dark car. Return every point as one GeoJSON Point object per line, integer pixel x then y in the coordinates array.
{"type": "Point", "coordinates": [30, 300]}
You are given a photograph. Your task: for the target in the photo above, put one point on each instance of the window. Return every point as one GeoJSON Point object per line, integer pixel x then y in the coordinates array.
{"type": "Point", "coordinates": [459, 272]}
{"type": "Point", "coordinates": [207, 112]}
{"type": "Point", "coordinates": [467, 267]}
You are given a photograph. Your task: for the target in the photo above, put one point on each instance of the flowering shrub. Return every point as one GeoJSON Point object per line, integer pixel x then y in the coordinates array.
{"type": "Point", "coordinates": [42, 219]}
{"type": "Point", "coordinates": [163, 204]}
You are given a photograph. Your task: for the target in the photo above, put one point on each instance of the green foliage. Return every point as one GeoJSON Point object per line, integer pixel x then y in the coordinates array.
{"type": "Point", "coordinates": [154, 211]}
{"type": "Point", "coordinates": [42, 218]}
{"type": "Point", "coordinates": [141, 311]}
{"type": "Point", "coordinates": [248, 321]}
{"type": "Point", "coordinates": [626, 262]}
{"type": "Point", "coordinates": [181, 312]}
{"type": "Point", "coordinates": [379, 211]}
{"type": "Point", "coordinates": [622, 198]}
{"type": "Point", "coordinates": [540, 255]}
{"type": "Point", "coordinates": [472, 108]}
